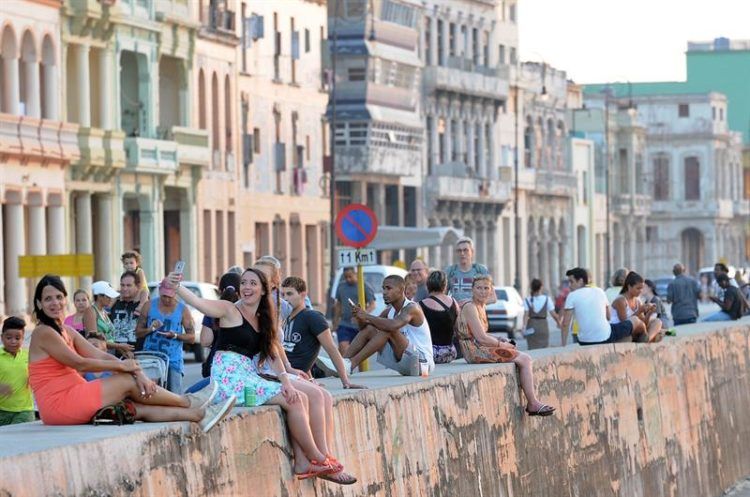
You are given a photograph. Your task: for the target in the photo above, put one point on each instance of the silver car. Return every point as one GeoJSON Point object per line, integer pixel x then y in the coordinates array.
{"type": "Point", "coordinates": [506, 315]}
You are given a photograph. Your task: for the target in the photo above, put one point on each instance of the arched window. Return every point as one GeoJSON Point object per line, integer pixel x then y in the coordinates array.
{"type": "Point", "coordinates": [48, 80]}
{"type": "Point", "coordinates": [9, 78]}
{"type": "Point", "coordinates": [29, 76]}
{"type": "Point", "coordinates": [528, 143]}
{"type": "Point", "coordinates": [661, 177]}
{"type": "Point", "coordinates": [692, 179]}
{"type": "Point", "coordinates": [227, 114]}
{"type": "Point", "coordinates": [201, 100]}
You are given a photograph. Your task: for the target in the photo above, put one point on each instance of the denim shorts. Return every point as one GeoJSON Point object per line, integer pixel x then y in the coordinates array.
{"type": "Point", "coordinates": [346, 333]}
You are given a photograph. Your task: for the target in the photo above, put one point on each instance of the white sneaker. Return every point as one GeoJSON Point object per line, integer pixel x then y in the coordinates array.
{"type": "Point", "coordinates": [204, 396]}
{"type": "Point", "coordinates": [329, 368]}
{"type": "Point", "coordinates": [215, 413]}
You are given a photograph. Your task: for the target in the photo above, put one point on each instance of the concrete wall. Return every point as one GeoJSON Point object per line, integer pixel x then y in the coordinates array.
{"type": "Point", "coordinates": [664, 420]}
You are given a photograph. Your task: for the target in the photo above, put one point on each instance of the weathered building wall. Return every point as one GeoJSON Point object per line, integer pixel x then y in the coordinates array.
{"type": "Point", "coordinates": [664, 420]}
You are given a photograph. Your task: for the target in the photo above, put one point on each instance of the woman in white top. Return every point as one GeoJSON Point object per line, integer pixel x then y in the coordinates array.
{"type": "Point", "coordinates": [535, 325]}
{"type": "Point", "coordinates": [627, 307]}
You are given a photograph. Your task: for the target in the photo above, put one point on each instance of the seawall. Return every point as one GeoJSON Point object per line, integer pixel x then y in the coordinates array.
{"type": "Point", "coordinates": [632, 420]}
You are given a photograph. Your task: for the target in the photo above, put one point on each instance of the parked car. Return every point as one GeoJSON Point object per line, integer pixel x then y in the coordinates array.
{"type": "Point", "coordinates": [661, 284]}
{"type": "Point", "coordinates": [203, 290]}
{"type": "Point", "coordinates": [374, 276]}
{"type": "Point", "coordinates": [506, 315]}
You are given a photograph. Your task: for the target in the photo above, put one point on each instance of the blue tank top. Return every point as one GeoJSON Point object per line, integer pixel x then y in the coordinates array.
{"type": "Point", "coordinates": [170, 346]}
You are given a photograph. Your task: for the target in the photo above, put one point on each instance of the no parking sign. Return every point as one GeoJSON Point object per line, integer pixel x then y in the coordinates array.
{"type": "Point", "coordinates": [356, 225]}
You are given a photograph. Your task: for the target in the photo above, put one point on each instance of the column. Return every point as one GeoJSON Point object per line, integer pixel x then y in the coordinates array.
{"type": "Point", "coordinates": [103, 259]}
{"type": "Point", "coordinates": [533, 270]}
{"type": "Point", "coordinates": [2, 264]}
{"type": "Point", "coordinates": [493, 255]}
{"type": "Point", "coordinates": [11, 97]}
{"type": "Point", "coordinates": [435, 138]}
{"type": "Point", "coordinates": [84, 234]}
{"type": "Point", "coordinates": [51, 93]}
{"type": "Point", "coordinates": [481, 159]}
{"type": "Point", "coordinates": [55, 229]}
{"type": "Point", "coordinates": [106, 72]}
{"type": "Point", "coordinates": [471, 159]}
{"type": "Point", "coordinates": [543, 269]}
{"type": "Point", "coordinates": [15, 289]}
{"type": "Point", "coordinates": [83, 80]}
{"type": "Point", "coordinates": [188, 233]}
{"type": "Point", "coordinates": [483, 255]}
{"type": "Point", "coordinates": [489, 163]}
{"type": "Point", "coordinates": [554, 269]}
{"type": "Point", "coordinates": [37, 230]}
{"type": "Point", "coordinates": [148, 226]}
{"type": "Point", "coordinates": [493, 45]}
{"type": "Point", "coordinates": [433, 41]}
{"type": "Point", "coordinates": [31, 73]}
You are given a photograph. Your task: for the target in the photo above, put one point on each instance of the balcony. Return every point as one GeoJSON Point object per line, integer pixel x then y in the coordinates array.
{"type": "Point", "coordinates": [38, 138]}
{"type": "Point", "coordinates": [467, 189]}
{"type": "Point", "coordinates": [625, 204]}
{"type": "Point", "coordinates": [742, 208]}
{"type": "Point", "coordinates": [173, 10]}
{"type": "Point", "coordinates": [219, 24]}
{"type": "Point", "coordinates": [146, 155]}
{"type": "Point", "coordinates": [378, 160]}
{"type": "Point", "coordinates": [192, 146]}
{"type": "Point", "coordinates": [462, 76]}
{"type": "Point", "coordinates": [556, 183]}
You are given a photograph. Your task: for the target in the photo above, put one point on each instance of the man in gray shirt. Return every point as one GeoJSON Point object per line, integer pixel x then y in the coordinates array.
{"type": "Point", "coordinates": [347, 290]}
{"type": "Point", "coordinates": [461, 275]}
{"type": "Point", "coordinates": [683, 293]}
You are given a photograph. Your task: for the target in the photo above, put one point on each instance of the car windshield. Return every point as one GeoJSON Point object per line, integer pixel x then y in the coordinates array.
{"type": "Point", "coordinates": [501, 294]}
{"type": "Point", "coordinates": [375, 280]}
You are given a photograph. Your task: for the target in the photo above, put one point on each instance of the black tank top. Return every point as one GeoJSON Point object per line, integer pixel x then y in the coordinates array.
{"type": "Point", "coordinates": [441, 322]}
{"type": "Point", "coordinates": [242, 339]}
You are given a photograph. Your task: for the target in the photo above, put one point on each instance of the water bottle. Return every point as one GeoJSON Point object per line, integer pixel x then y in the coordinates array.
{"type": "Point", "coordinates": [424, 366]}
{"type": "Point", "coordinates": [250, 398]}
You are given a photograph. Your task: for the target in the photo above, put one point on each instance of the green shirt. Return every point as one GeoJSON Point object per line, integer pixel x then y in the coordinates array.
{"type": "Point", "coordinates": [14, 371]}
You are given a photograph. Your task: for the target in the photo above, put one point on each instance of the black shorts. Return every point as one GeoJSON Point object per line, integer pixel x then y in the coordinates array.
{"type": "Point", "coordinates": [616, 333]}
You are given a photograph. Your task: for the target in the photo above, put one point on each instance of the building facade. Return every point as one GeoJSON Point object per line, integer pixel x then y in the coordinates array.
{"type": "Point", "coordinates": [284, 199]}
{"type": "Point", "coordinates": [37, 144]}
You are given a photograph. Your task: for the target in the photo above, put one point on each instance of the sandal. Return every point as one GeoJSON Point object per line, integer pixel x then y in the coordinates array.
{"type": "Point", "coordinates": [334, 462]}
{"type": "Point", "coordinates": [324, 468]}
{"type": "Point", "coordinates": [341, 478]}
{"type": "Point", "coordinates": [544, 410]}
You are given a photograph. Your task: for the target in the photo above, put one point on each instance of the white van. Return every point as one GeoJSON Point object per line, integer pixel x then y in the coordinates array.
{"type": "Point", "coordinates": [374, 276]}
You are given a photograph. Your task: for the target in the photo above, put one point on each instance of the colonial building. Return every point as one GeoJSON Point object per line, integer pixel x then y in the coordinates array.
{"type": "Point", "coordinates": [36, 144]}
{"type": "Point", "coordinates": [464, 90]}
{"type": "Point", "coordinates": [375, 106]}
{"type": "Point", "coordinates": [128, 85]}
{"type": "Point", "coordinates": [216, 111]}
{"type": "Point", "coordinates": [284, 200]}
{"type": "Point", "coordinates": [695, 180]}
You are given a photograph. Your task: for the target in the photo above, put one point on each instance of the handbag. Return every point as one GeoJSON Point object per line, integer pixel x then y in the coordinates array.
{"type": "Point", "coordinates": [121, 413]}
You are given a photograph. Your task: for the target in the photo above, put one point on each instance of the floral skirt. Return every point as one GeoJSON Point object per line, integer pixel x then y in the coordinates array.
{"type": "Point", "coordinates": [444, 354]}
{"type": "Point", "coordinates": [234, 372]}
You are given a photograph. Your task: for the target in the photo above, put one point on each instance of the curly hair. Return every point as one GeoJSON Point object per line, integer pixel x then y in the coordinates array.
{"type": "Point", "coordinates": [267, 324]}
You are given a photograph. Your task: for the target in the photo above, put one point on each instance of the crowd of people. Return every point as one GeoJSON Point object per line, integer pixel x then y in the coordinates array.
{"type": "Point", "coordinates": [265, 341]}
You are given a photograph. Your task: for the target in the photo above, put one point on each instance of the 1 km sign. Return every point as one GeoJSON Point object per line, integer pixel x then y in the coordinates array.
{"type": "Point", "coordinates": [356, 225]}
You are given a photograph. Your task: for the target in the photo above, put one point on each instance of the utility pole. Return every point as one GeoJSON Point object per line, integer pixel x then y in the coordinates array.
{"type": "Point", "coordinates": [607, 186]}
{"type": "Point", "coordinates": [332, 172]}
{"type": "Point", "coordinates": [517, 220]}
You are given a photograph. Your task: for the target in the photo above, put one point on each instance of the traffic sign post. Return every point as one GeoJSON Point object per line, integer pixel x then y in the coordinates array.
{"type": "Point", "coordinates": [357, 226]}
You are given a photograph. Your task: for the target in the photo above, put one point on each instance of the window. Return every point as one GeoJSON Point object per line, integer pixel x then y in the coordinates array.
{"type": "Point", "coordinates": [651, 234]}
{"type": "Point", "coordinates": [721, 113]}
{"type": "Point", "coordinates": [661, 177]}
{"type": "Point", "coordinates": [397, 13]}
{"type": "Point", "coordinates": [427, 35]}
{"type": "Point", "coordinates": [256, 140]}
{"type": "Point", "coordinates": [501, 54]}
{"type": "Point", "coordinates": [585, 189]}
{"type": "Point", "coordinates": [683, 110]}
{"type": "Point", "coordinates": [475, 45]}
{"type": "Point", "coordinates": [429, 125]}
{"type": "Point", "coordinates": [692, 179]}
{"type": "Point", "coordinates": [623, 170]}
{"type": "Point", "coordinates": [440, 53]}
{"type": "Point", "coordinates": [357, 73]}
{"type": "Point", "coordinates": [485, 49]}
{"type": "Point", "coordinates": [513, 59]}
{"type": "Point", "coordinates": [465, 46]}
{"type": "Point", "coordinates": [452, 40]}
{"type": "Point", "coordinates": [512, 12]}
{"type": "Point", "coordinates": [713, 113]}
{"type": "Point", "coordinates": [307, 40]}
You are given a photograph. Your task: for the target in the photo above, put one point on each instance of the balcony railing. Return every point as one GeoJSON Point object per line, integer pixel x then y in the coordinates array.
{"type": "Point", "coordinates": [467, 189]}
{"type": "Point", "coordinates": [151, 156]}
{"type": "Point", "coordinates": [556, 183]}
{"type": "Point", "coordinates": [32, 137]}
{"type": "Point", "coordinates": [192, 146]}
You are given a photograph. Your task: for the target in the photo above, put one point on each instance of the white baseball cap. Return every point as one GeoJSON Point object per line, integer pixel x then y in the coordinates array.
{"type": "Point", "coordinates": [104, 288]}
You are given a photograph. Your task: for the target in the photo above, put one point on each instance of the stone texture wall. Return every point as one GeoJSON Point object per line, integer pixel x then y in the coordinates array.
{"type": "Point", "coordinates": [632, 421]}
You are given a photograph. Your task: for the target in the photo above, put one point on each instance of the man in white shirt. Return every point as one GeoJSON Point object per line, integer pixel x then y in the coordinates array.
{"type": "Point", "coordinates": [592, 312]}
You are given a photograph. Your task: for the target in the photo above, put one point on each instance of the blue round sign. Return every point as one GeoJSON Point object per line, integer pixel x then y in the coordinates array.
{"type": "Point", "coordinates": [356, 225]}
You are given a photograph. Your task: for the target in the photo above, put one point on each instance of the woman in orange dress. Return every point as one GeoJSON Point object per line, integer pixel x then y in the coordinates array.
{"type": "Point", "coordinates": [479, 347]}
{"type": "Point", "coordinates": [58, 354]}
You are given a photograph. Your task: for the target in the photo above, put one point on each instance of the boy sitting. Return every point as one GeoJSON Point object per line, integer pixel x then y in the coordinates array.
{"type": "Point", "coordinates": [16, 404]}
{"type": "Point", "coordinates": [305, 330]}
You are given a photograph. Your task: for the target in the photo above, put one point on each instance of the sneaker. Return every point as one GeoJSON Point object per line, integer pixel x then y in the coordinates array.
{"type": "Point", "coordinates": [204, 396]}
{"type": "Point", "coordinates": [327, 365]}
{"type": "Point", "coordinates": [215, 413]}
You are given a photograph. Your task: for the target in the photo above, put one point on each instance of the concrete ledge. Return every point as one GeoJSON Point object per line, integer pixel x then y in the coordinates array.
{"type": "Point", "coordinates": [632, 420]}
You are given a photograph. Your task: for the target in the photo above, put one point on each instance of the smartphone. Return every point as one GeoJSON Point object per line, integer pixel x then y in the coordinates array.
{"type": "Point", "coordinates": [351, 302]}
{"type": "Point", "coordinates": [179, 267]}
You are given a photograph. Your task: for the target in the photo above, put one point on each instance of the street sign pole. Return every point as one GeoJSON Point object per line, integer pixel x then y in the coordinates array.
{"type": "Point", "coordinates": [357, 226]}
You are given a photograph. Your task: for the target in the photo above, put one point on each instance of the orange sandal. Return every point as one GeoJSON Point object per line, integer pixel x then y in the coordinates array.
{"type": "Point", "coordinates": [334, 462]}
{"type": "Point", "coordinates": [340, 477]}
{"type": "Point", "coordinates": [324, 468]}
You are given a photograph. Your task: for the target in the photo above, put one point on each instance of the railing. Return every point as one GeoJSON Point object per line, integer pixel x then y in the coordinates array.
{"type": "Point", "coordinates": [467, 189]}
{"type": "Point", "coordinates": [192, 146]}
{"type": "Point", "coordinates": [151, 156]}
{"type": "Point", "coordinates": [559, 183]}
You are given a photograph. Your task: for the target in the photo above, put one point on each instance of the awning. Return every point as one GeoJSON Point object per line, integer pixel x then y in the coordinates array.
{"type": "Point", "coordinates": [398, 237]}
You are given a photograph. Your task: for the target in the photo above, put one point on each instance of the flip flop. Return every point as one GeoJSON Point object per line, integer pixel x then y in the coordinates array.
{"type": "Point", "coordinates": [341, 478]}
{"type": "Point", "coordinates": [544, 410]}
{"type": "Point", "coordinates": [325, 468]}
